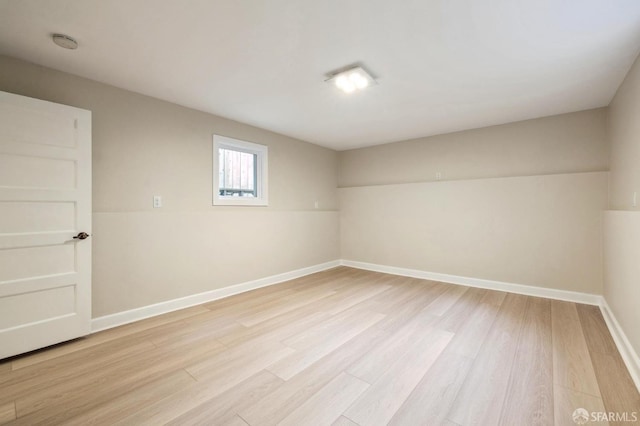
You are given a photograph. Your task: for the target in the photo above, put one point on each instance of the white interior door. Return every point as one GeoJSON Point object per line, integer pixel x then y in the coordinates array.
{"type": "Point", "coordinates": [45, 200]}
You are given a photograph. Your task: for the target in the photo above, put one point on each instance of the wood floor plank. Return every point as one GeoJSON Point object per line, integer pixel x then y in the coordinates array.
{"type": "Point", "coordinates": [401, 290]}
{"type": "Point", "coordinates": [606, 382]}
{"type": "Point", "coordinates": [376, 362]}
{"type": "Point", "coordinates": [131, 402]}
{"type": "Point", "coordinates": [103, 336]}
{"type": "Point", "coordinates": [343, 421]}
{"type": "Point", "coordinates": [234, 365]}
{"type": "Point", "coordinates": [326, 406]}
{"type": "Point", "coordinates": [340, 302]}
{"type": "Point", "coordinates": [572, 367]}
{"type": "Point", "coordinates": [260, 295]}
{"type": "Point", "coordinates": [102, 384]}
{"type": "Point", "coordinates": [7, 412]}
{"type": "Point", "coordinates": [59, 370]}
{"type": "Point", "coordinates": [6, 374]}
{"type": "Point", "coordinates": [421, 296]}
{"type": "Point", "coordinates": [206, 403]}
{"type": "Point", "coordinates": [314, 336]}
{"type": "Point", "coordinates": [379, 403]}
{"type": "Point", "coordinates": [619, 393]}
{"type": "Point", "coordinates": [322, 342]}
{"type": "Point", "coordinates": [447, 299]}
{"type": "Point", "coordinates": [104, 353]}
{"type": "Point", "coordinates": [482, 395]}
{"type": "Point", "coordinates": [530, 390]}
{"type": "Point", "coordinates": [347, 281]}
{"type": "Point", "coordinates": [287, 304]}
{"type": "Point", "coordinates": [458, 313]}
{"type": "Point", "coordinates": [279, 328]}
{"type": "Point", "coordinates": [31, 397]}
{"type": "Point", "coordinates": [566, 401]}
{"type": "Point", "coordinates": [259, 299]}
{"type": "Point", "coordinates": [233, 421]}
{"type": "Point", "coordinates": [595, 330]}
{"type": "Point", "coordinates": [234, 309]}
{"type": "Point", "coordinates": [252, 298]}
{"type": "Point", "coordinates": [193, 332]}
{"type": "Point", "coordinates": [66, 368]}
{"type": "Point", "coordinates": [471, 335]}
{"type": "Point", "coordinates": [346, 295]}
{"type": "Point", "coordinates": [280, 403]}
{"type": "Point", "coordinates": [434, 395]}
{"type": "Point", "coordinates": [494, 297]}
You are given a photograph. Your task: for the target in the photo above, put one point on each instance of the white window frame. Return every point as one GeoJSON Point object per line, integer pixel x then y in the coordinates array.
{"type": "Point", "coordinates": [262, 172]}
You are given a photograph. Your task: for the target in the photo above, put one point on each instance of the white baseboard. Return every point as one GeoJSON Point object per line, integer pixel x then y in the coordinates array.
{"type": "Point", "coordinates": [629, 355]}
{"type": "Point", "coordinates": [549, 293]}
{"type": "Point", "coordinates": [126, 317]}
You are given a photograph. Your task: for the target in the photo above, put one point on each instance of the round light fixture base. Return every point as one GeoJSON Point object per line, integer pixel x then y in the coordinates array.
{"type": "Point", "coordinates": [65, 41]}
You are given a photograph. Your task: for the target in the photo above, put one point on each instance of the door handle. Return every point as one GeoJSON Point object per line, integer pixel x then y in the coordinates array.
{"type": "Point", "coordinates": [81, 236]}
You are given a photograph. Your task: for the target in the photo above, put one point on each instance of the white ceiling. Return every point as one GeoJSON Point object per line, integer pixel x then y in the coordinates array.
{"type": "Point", "coordinates": [442, 65]}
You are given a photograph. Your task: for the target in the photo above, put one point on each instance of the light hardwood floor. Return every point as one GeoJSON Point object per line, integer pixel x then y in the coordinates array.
{"type": "Point", "coordinates": [341, 347]}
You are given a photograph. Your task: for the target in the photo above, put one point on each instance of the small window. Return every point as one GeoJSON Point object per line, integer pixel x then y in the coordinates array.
{"type": "Point", "coordinates": [239, 172]}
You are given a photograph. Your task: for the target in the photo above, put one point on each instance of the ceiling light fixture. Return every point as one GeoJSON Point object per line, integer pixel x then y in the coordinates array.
{"type": "Point", "coordinates": [65, 41]}
{"type": "Point", "coordinates": [352, 79]}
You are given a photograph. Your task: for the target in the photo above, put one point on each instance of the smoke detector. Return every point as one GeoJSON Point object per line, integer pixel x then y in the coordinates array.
{"type": "Point", "coordinates": [65, 41]}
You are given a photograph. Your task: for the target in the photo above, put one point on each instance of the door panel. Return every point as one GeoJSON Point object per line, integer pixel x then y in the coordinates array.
{"type": "Point", "coordinates": [45, 200]}
{"type": "Point", "coordinates": [24, 121]}
{"type": "Point", "coordinates": [30, 262]}
{"type": "Point", "coordinates": [48, 303]}
{"type": "Point", "coordinates": [20, 171]}
{"type": "Point", "coordinates": [36, 217]}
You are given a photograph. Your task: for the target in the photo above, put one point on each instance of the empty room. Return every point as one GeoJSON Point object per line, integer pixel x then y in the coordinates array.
{"type": "Point", "coordinates": [348, 213]}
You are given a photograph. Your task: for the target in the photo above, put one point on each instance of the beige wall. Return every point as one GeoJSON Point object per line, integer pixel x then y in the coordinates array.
{"type": "Point", "coordinates": [624, 134]}
{"type": "Point", "coordinates": [142, 257]}
{"type": "Point", "coordinates": [519, 203]}
{"type": "Point", "coordinates": [622, 231]}
{"type": "Point", "coordinates": [542, 231]}
{"type": "Point", "coordinates": [622, 271]}
{"type": "Point", "coordinates": [144, 147]}
{"type": "Point", "coordinates": [567, 143]}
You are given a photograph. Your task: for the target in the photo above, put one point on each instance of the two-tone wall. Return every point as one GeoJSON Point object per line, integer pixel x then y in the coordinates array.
{"type": "Point", "coordinates": [518, 203]}
{"type": "Point", "coordinates": [622, 220]}
{"type": "Point", "coordinates": [551, 203]}
{"type": "Point", "coordinates": [144, 147]}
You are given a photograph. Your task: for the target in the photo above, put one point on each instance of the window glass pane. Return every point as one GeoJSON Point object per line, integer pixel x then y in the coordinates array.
{"type": "Point", "coordinates": [240, 173]}
{"type": "Point", "coordinates": [237, 174]}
